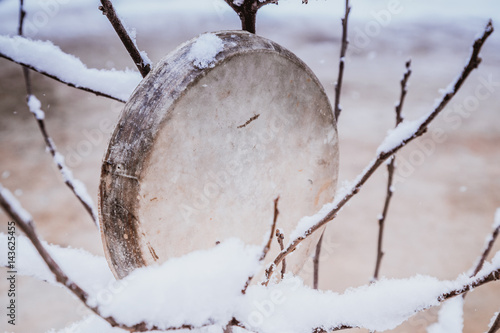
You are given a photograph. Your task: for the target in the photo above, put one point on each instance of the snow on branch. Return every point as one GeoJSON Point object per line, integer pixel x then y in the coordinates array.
{"type": "Point", "coordinates": [75, 185]}
{"type": "Point", "coordinates": [404, 133]}
{"type": "Point", "coordinates": [490, 240]}
{"type": "Point", "coordinates": [48, 59]}
{"type": "Point", "coordinates": [140, 58]}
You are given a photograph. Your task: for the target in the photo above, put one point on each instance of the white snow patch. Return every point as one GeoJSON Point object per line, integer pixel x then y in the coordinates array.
{"type": "Point", "coordinates": [450, 317]}
{"type": "Point", "coordinates": [15, 205]}
{"type": "Point", "coordinates": [496, 223]}
{"type": "Point", "coordinates": [205, 49]}
{"type": "Point", "coordinates": [396, 136]}
{"type": "Point", "coordinates": [48, 58]}
{"type": "Point", "coordinates": [35, 107]}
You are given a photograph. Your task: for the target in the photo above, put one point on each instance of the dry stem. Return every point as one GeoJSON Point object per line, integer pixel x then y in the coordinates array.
{"type": "Point", "coordinates": [281, 238]}
{"type": "Point", "coordinates": [343, 49]}
{"type": "Point", "coordinates": [390, 169]}
{"type": "Point", "coordinates": [108, 10]}
{"type": "Point", "coordinates": [384, 155]}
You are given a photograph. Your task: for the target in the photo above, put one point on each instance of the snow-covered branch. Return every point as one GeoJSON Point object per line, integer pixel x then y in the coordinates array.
{"type": "Point", "coordinates": [75, 185]}
{"type": "Point", "coordinates": [48, 59]}
{"type": "Point", "coordinates": [404, 133]}
{"type": "Point", "coordinates": [140, 58]}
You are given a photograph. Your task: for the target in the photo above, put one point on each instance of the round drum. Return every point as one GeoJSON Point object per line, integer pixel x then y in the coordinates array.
{"type": "Point", "coordinates": [217, 130]}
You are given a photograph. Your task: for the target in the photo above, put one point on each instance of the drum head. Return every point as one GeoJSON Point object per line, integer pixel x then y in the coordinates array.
{"type": "Point", "coordinates": [217, 130]}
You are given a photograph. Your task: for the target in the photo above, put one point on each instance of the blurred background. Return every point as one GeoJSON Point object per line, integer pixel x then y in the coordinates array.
{"type": "Point", "coordinates": [447, 186]}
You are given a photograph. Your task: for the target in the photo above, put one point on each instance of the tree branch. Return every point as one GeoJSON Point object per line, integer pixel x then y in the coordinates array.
{"type": "Point", "coordinates": [385, 152]}
{"type": "Point", "coordinates": [343, 49]}
{"type": "Point", "coordinates": [247, 11]}
{"type": "Point", "coordinates": [317, 255]}
{"type": "Point", "coordinates": [70, 84]}
{"type": "Point", "coordinates": [489, 244]}
{"type": "Point", "coordinates": [390, 170]}
{"type": "Point", "coordinates": [140, 61]}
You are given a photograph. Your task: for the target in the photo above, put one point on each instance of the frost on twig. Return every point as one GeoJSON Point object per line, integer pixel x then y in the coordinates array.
{"type": "Point", "coordinates": [140, 58]}
{"type": "Point", "coordinates": [247, 11]}
{"type": "Point", "coordinates": [391, 166]}
{"type": "Point", "coordinates": [406, 132]}
{"type": "Point", "coordinates": [48, 59]}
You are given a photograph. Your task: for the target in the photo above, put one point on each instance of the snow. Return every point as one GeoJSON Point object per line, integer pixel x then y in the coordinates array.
{"type": "Point", "coordinates": [496, 223]}
{"type": "Point", "coordinates": [79, 187]}
{"type": "Point", "coordinates": [450, 317]}
{"type": "Point", "coordinates": [204, 288]}
{"type": "Point", "coordinates": [307, 222]}
{"type": "Point", "coordinates": [48, 58]}
{"type": "Point", "coordinates": [88, 271]}
{"type": "Point", "coordinates": [204, 50]}
{"type": "Point", "coordinates": [401, 133]}
{"type": "Point", "coordinates": [15, 205]}
{"type": "Point", "coordinates": [35, 107]}
{"type": "Point", "coordinates": [238, 2]}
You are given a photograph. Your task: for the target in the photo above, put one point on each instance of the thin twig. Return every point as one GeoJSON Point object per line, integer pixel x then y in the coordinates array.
{"type": "Point", "coordinates": [496, 324]}
{"type": "Point", "coordinates": [141, 62]}
{"type": "Point", "coordinates": [51, 147]}
{"type": "Point", "coordinates": [267, 247]}
{"type": "Point", "coordinates": [385, 154]}
{"type": "Point", "coordinates": [390, 170]}
{"type": "Point", "coordinates": [487, 249]}
{"type": "Point", "coordinates": [338, 109]}
{"type": "Point", "coordinates": [343, 49]}
{"type": "Point", "coordinates": [281, 240]}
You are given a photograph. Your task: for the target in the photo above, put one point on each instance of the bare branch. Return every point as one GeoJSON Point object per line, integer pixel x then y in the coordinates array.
{"type": "Point", "coordinates": [390, 170]}
{"type": "Point", "coordinates": [489, 245]}
{"type": "Point", "coordinates": [496, 324]}
{"type": "Point", "coordinates": [281, 239]}
{"type": "Point", "coordinates": [343, 49]}
{"type": "Point", "coordinates": [385, 154]}
{"type": "Point", "coordinates": [141, 62]}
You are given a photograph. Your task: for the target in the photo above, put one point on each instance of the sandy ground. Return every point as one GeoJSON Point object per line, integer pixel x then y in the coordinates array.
{"type": "Point", "coordinates": [447, 190]}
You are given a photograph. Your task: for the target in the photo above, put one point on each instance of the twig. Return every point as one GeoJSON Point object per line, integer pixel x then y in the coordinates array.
{"type": "Point", "coordinates": [267, 247]}
{"type": "Point", "coordinates": [385, 154]}
{"type": "Point", "coordinates": [488, 247]}
{"type": "Point", "coordinates": [390, 170]}
{"type": "Point", "coordinates": [247, 11]}
{"type": "Point", "coordinates": [343, 49]}
{"type": "Point", "coordinates": [33, 105]}
{"type": "Point", "coordinates": [496, 324]}
{"type": "Point", "coordinates": [338, 109]}
{"type": "Point", "coordinates": [281, 239]}
{"type": "Point", "coordinates": [25, 222]}
{"type": "Point", "coordinates": [141, 62]}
